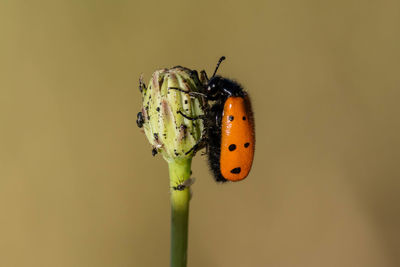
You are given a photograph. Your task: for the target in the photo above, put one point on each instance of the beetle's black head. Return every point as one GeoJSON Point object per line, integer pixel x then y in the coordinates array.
{"type": "Point", "coordinates": [213, 87]}
{"type": "Point", "coordinates": [222, 87]}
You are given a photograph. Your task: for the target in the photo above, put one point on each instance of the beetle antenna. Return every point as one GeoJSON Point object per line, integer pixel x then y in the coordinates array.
{"type": "Point", "coordinates": [219, 63]}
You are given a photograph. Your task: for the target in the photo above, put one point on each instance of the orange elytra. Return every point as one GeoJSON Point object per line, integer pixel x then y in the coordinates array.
{"type": "Point", "coordinates": [237, 139]}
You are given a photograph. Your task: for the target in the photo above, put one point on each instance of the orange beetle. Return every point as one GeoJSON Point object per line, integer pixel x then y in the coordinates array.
{"type": "Point", "coordinates": [230, 130]}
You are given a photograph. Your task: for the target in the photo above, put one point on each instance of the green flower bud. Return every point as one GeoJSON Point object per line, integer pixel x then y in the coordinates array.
{"type": "Point", "coordinates": [169, 132]}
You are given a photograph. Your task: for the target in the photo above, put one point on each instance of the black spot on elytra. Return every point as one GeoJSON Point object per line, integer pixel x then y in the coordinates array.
{"type": "Point", "coordinates": [244, 118]}
{"type": "Point", "coordinates": [236, 170]}
{"type": "Point", "coordinates": [232, 147]}
{"type": "Point", "coordinates": [246, 145]}
{"type": "Point", "coordinates": [231, 118]}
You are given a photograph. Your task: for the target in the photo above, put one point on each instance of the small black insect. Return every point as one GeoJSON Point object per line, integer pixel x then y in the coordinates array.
{"type": "Point", "coordinates": [154, 151]}
{"type": "Point", "coordinates": [183, 185]}
{"type": "Point", "coordinates": [140, 120]}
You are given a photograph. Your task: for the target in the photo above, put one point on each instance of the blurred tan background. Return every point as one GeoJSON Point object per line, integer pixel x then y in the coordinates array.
{"type": "Point", "coordinates": [78, 184]}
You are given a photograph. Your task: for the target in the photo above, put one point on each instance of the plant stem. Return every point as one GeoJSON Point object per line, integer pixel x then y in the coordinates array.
{"type": "Point", "coordinates": [179, 171]}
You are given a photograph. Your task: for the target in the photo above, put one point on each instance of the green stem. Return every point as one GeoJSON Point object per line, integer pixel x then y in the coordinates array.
{"type": "Point", "coordinates": [179, 171]}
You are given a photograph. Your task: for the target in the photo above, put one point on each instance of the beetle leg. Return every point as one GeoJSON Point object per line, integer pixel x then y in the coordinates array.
{"type": "Point", "coordinates": [199, 145]}
{"type": "Point", "coordinates": [203, 78]}
{"type": "Point", "coordinates": [201, 117]}
{"type": "Point", "coordinates": [187, 92]}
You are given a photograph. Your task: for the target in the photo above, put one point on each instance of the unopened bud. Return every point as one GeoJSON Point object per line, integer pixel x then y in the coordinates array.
{"type": "Point", "coordinates": [165, 99]}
